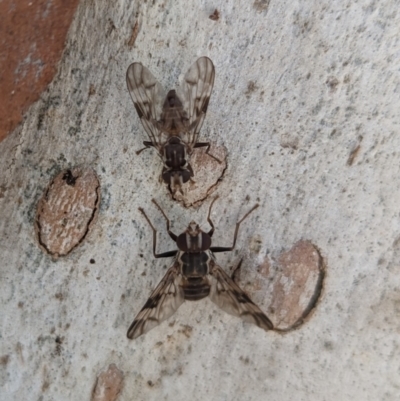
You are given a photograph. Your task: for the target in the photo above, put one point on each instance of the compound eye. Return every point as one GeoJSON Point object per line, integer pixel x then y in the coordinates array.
{"type": "Point", "coordinates": [166, 176]}
{"type": "Point", "coordinates": [185, 175]}
{"type": "Point", "coordinates": [182, 243]}
{"type": "Point", "coordinates": [205, 241]}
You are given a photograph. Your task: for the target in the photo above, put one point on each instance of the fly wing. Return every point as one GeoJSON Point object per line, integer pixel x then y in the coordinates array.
{"type": "Point", "coordinates": [233, 300]}
{"type": "Point", "coordinates": [147, 95]}
{"type": "Point", "coordinates": [197, 88]}
{"type": "Point", "coordinates": [163, 302]}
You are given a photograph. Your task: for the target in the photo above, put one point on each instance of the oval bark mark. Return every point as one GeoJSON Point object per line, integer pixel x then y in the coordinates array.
{"type": "Point", "coordinates": [296, 279]}
{"type": "Point", "coordinates": [207, 173]}
{"type": "Point", "coordinates": [108, 384]}
{"type": "Point", "coordinates": [67, 211]}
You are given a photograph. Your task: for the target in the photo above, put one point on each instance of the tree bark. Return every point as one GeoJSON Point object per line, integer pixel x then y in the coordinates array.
{"type": "Point", "coordinates": [306, 104]}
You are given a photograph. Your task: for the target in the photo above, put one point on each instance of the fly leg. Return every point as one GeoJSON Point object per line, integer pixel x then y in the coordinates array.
{"type": "Point", "coordinates": [171, 234]}
{"type": "Point", "coordinates": [230, 248]}
{"type": "Point", "coordinates": [157, 255]}
{"type": "Point", "coordinates": [207, 144]}
{"type": "Point", "coordinates": [147, 145]}
{"type": "Point", "coordinates": [211, 232]}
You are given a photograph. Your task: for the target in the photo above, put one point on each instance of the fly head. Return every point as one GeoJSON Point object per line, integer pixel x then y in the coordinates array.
{"type": "Point", "coordinates": [175, 179]}
{"type": "Point", "coordinates": [193, 240]}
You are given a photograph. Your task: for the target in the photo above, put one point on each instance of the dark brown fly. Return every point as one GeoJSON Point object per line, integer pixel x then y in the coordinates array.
{"type": "Point", "coordinates": [195, 275]}
{"type": "Point", "coordinates": [215, 15]}
{"type": "Point", "coordinates": [173, 121]}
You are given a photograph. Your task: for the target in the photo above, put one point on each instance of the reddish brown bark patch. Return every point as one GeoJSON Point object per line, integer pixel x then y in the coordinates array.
{"type": "Point", "coordinates": [108, 384]}
{"type": "Point", "coordinates": [207, 173]}
{"type": "Point", "coordinates": [296, 280]}
{"type": "Point", "coordinates": [32, 37]}
{"type": "Point", "coordinates": [67, 210]}
{"type": "Point", "coordinates": [292, 282]}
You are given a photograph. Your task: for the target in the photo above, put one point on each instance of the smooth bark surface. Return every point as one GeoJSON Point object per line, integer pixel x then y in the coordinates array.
{"type": "Point", "coordinates": [306, 102]}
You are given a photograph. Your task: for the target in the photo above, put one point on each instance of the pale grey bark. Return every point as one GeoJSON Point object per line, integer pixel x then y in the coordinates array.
{"type": "Point", "coordinates": [299, 86]}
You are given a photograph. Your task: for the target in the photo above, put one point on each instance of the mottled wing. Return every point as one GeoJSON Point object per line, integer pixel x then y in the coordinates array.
{"type": "Point", "coordinates": [147, 95]}
{"type": "Point", "coordinates": [233, 300]}
{"type": "Point", "coordinates": [163, 302]}
{"type": "Point", "coordinates": [197, 88]}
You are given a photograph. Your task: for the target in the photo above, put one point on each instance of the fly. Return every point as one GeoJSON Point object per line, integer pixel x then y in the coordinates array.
{"type": "Point", "coordinates": [194, 275]}
{"type": "Point", "coordinates": [173, 121]}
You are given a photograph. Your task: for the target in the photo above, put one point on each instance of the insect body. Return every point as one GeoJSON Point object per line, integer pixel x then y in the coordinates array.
{"type": "Point", "coordinates": [195, 275]}
{"type": "Point", "coordinates": [173, 121]}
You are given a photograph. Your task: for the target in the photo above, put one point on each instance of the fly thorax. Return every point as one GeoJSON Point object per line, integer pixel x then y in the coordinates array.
{"type": "Point", "coordinates": [194, 265]}
{"type": "Point", "coordinates": [175, 154]}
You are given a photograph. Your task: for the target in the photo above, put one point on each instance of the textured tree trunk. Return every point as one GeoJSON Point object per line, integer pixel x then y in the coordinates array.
{"type": "Point", "coordinates": [306, 106]}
